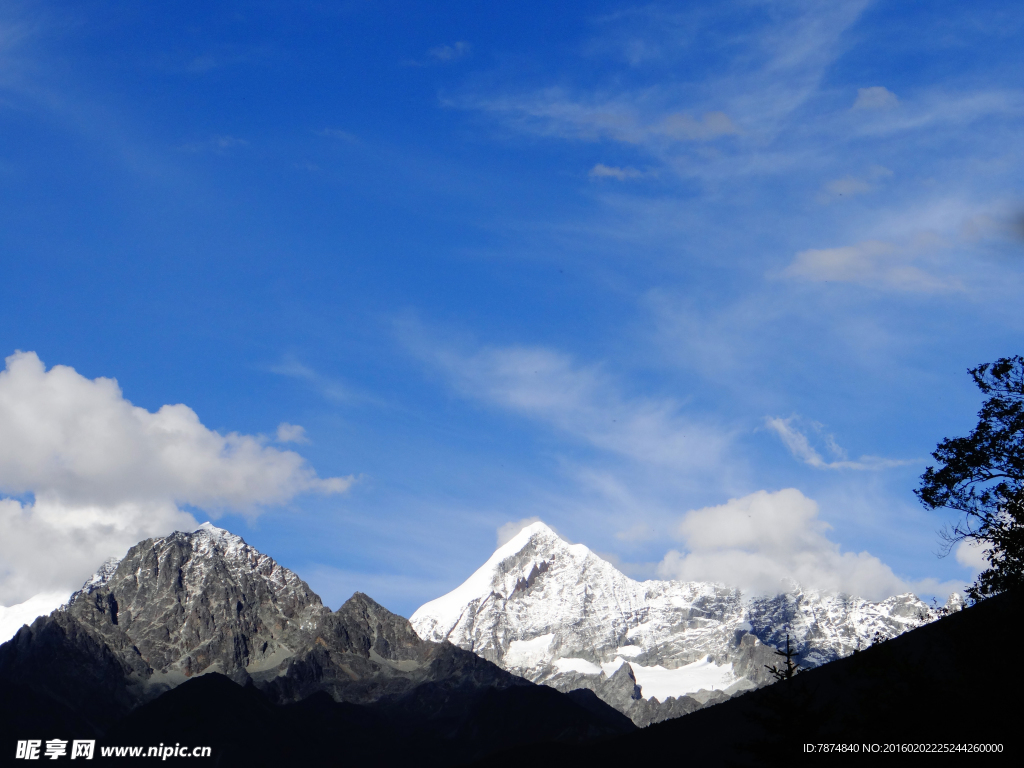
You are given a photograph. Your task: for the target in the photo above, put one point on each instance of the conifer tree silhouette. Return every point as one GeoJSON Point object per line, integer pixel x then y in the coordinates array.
{"type": "Point", "coordinates": [790, 670]}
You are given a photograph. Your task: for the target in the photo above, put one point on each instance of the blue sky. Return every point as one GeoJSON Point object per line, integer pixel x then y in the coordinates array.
{"type": "Point", "coordinates": [607, 265]}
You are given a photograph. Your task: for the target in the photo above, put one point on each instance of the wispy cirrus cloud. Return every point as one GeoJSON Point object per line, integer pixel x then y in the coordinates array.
{"type": "Point", "coordinates": [441, 55]}
{"type": "Point", "coordinates": [800, 446]}
{"type": "Point", "coordinates": [449, 53]}
{"type": "Point", "coordinates": [876, 263]}
{"type": "Point", "coordinates": [937, 108]}
{"type": "Point", "coordinates": [602, 171]}
{"type": "Point", "coordinates": [779, 68]}
{"type": "Point", "coordinates": [560, 113]}
{"type": "Point", "coordinates": [328, 387]}
{"type": "Point", "coordinates": [579, 400]}
{"type": "Point", "coordinates": [853, 185]}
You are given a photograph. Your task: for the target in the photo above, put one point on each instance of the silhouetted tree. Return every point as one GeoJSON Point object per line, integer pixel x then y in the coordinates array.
{"type": "Point", "coordinates": [981, 476]}
{"type": "Point", "coordinates": [790, 669]}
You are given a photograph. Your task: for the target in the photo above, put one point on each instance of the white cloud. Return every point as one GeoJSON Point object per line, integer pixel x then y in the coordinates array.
{"type": "Point", "coordinates": [13, 618]}
{"type": "Point", "coordinates": [602, 171]}
{"type": "Point", "coordinates": [508, 531]}
{"type": "Point", "coordinates": [105, 474]}
{"type": "Point", "coordinates": [53, 546]}
{"type": "Point", "coordinates": [684, 127]}
{"type": "Point", "coordinates": [848, 186]}
{"type": "Point", "coordinates": [932, 246]}
{"type": "Point", "coordinates": [763, 541]}
{"type": "Point", "coordinates": [876, 97]}
{"type": "Point", "coordinates": [973, 555]}
{"type": "Point", "coordinates": [851, 186]}
{"type": "Point", "coordinates": [874, 263]}
{"type": "Point", "coordinates": [79, 439]}
{"type": "Point", "coordinates": [452, 52]}
{"type": "Point", "coordinates": [800, 446]}
{"type": "Point", "coordinates": [291, 433]}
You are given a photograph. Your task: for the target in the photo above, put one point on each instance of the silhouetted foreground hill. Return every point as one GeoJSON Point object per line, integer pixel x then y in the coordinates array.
{"type": "Point", "coordinates": [433, 725]}
{"type": "Point", "coordinates": [426, 727]}
{"type": "Point", "coordinates": [955, 681]}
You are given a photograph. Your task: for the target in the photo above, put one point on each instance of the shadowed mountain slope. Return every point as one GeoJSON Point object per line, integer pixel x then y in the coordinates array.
{"type": "Point", "coordinates": [244, 728]}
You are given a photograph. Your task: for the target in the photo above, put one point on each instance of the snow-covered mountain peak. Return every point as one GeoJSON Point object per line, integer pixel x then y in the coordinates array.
{"type": "Point", "coordinates": [536, 539]}
{"type": "Point", "coordinates": [514, 569]}
{"type": "Point", "coordinates": [556, 613]}
{"type": "Point", "coordinates": [225, 539]}
{"type": "Point", "coordinates": [98, 580]}
{"type": "Point", "coordinates": [102, 575]}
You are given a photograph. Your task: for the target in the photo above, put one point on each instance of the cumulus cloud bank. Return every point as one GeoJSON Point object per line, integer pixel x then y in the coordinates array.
{"type": "Point", "coordinates": [92, 474]}
{"type": "Point", "coordinates": [764, 541]}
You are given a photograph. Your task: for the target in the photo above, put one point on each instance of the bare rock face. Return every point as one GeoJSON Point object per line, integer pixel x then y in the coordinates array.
{"type": "Point", "coordinates": [198, 602]}
{"type": "Point", "coordinates": [556, 613]}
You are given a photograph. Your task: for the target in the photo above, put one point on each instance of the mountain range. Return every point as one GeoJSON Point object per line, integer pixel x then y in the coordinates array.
{"type": "Point", "coordinates": [179, 613]}
{"type": "Point", "coordinates": [200, 635]}
{"type": "Point", "coordinates": [556, 613]}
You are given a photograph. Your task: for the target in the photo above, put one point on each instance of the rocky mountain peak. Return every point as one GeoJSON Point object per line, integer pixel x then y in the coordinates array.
{"type": "Point", "coordinates": [194, 602]}
{"type": "Point", "coordinates": [377, 631]}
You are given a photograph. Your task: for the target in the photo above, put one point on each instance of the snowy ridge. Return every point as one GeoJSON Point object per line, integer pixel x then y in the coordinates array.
{"type": "Point", "coordinates": [558, 614]}
{"type": "Point", "coordinates": [97, 580]}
